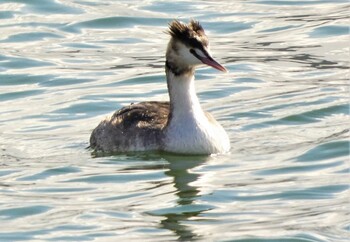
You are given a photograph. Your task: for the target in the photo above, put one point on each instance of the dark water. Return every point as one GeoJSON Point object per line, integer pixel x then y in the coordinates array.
{"type": "Point", "coordinates": [66, 64]}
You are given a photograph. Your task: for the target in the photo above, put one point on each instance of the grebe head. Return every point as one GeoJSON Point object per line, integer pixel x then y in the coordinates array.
{"type": "Point", "coordinates": [188, 48]}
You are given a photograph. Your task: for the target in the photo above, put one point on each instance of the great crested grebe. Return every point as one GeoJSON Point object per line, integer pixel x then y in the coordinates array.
{"type": "Point", "coordinates": [178, 126]}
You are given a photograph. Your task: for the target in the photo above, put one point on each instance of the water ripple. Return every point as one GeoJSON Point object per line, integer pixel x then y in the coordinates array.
{"type": "Point", "coordinates": [67, 64]}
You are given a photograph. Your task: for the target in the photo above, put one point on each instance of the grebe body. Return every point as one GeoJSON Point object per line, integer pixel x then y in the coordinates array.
{"type": "Point", "coordinates": [178, 126]}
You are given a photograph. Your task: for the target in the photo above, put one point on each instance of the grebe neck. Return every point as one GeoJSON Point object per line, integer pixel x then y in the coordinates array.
{"type": "Point", "coordinates": [184, 103]}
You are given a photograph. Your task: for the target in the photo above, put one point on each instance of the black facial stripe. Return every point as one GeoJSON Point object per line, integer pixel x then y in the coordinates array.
{"type": "Point", "coordinates": [195, 43]}
{"type": "Point", "coordinates": [193, 52]}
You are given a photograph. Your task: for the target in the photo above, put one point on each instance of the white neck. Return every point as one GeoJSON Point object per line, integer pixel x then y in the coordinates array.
{"type": "Point", "coordinates": [188, 129]}
{"type": "Point", "coordinates": [184, 103]}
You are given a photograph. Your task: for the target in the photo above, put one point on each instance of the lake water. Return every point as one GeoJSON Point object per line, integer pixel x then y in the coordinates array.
{"type": "Point", "coordinates": [66, 64]}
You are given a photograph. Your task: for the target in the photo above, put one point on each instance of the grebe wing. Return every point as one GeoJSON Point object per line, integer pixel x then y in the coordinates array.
{"type": "Point", "coordinates": [143, 114]}
{"type": "Point", "coordinates": [136, 127]}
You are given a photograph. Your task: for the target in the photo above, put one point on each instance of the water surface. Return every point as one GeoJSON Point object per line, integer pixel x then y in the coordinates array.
{"type": "Point", "coordinates": [65, 65]}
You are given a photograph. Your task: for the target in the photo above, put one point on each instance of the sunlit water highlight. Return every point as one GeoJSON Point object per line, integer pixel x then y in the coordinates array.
{"type": "Point", "coordinates": [66, 64]}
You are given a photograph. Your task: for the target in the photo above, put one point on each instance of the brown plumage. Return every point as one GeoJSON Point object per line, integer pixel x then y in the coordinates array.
{"type": "Point", "coordinates": [192, 35]}
{"type": "Point", "coordinates": [127, 127]}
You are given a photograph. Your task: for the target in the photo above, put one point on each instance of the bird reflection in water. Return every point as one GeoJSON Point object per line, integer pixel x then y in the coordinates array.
{"type": "Point", "coordinates": [181, 170]}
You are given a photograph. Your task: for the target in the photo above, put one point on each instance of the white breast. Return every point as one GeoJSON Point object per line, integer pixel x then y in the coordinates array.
{"type": "Point", "coordinates": [195, 134]}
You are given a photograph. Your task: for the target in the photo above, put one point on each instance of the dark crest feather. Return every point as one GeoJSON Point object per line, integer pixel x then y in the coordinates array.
{"type": "Point", "coordinates": [191, 34]}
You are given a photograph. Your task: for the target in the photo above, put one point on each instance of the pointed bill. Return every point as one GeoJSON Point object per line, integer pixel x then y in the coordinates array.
{"type": "Point", "coordinates": [205, 58]}
{"type": "Point", "coordinates": [213, 63]}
